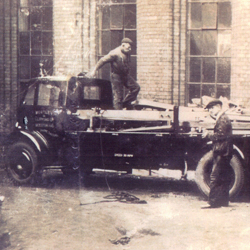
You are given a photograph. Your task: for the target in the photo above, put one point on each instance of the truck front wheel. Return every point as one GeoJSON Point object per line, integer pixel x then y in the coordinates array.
{"type": "Point", "coordinates": [204, 168]}
{"type": "Point", "coordinates": [21, 163]}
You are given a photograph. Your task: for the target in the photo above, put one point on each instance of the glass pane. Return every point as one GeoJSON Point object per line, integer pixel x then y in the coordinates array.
{"type": "Point", "coordinates": [130, 1]}
{"type": "Point", "coordinates": [194, 93]}
{"type": "Point", "coordinates": [35, 67]}
{"type": "Point", "coordinates": [208, 90]}
{"type": "Point", "coordinates": [47, 18]}
{"type": "Point", "coordinates": [224, 43]}
{"type": "Point", "coordinates": [36, 43]}
{"type": "Point", "coordinates": [24, 18]}
{"type": "Point", "coordinates": [24, 43]}
{"type": "Point", "coordinates": [195, 42]}
{"type": "Point", "coordinates": [105, 17]}
{"type": "Point", "coordinates": [133, 71]}
{"type": "Point", "coordinates": [195, 70]}
{"type": "Point", "coordinates": [224, 91]}
{"type": "Point", "coordinates": [47, 43]}
{"type": "Point", "coordinates": [105, 42]}
{"type": "Point", "coordinates": [24, 3]}
{"type": "Point", "coordinates": [44, 95]}
{"type": "Point", "coordinates": [130, 16]}
{"type": "Point", "coordinates": [47, 3]}
{"type": "Point", "coordinates": [30, 96]}
{"type": "Point", "coordinates": [132, 36]}
{"type": "Point", "coordinates": [195, 15]}
{"type": "Point", "coordinates": [209, 42]}
{"type": "Point", "coordinates": [116, 15]}
{"type": "Point", "coordinates": [47, 65]}
{"type": "Point", "coordinates": [36, 2]}
{"type": "Point", "coordinates": [117, 1]}
{"type": "Point", "coordinates": [208, 70]}
{"type": "Point", "coordinates": [24, 67]}
{"type": "Point", "coordinates": [224, 15]}
{"type": "Point", "coordinates": [224, 70]}
{"type": "Point", "coordinates": [209, 15]}
{"type": "Point", "coordinates": [35, 19]}
{"type": "Point", "coordinates": [116, 37]}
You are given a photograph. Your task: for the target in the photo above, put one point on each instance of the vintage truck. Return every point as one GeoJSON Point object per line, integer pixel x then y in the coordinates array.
{"type": "Point", "coordinates": [69, 122]}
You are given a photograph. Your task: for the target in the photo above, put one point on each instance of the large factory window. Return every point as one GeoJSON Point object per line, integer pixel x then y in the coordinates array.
{"type": "Point", "coordinates": [209, 49]}
{"type": "Point", "coordinates": [117, 19]}
{"type": "Point", "coordinates": [35, 39]}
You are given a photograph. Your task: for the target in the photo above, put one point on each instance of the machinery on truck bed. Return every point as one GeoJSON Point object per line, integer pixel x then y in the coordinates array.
{"type": "Point", "coordinates": [70, 123]}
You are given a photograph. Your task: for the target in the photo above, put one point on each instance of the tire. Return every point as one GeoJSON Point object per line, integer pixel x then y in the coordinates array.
{"type": "Point", "coordinates": [22, 163]}
{"type": "Point", "coordinates": [204, 168]}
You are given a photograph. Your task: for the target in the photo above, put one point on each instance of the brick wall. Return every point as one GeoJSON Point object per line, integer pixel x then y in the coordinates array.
{"type": "Point", "coordinates": [8, 61]}
{"type": "Point", "coordinates": [161, 45]}
{"type": "Point", "coordinates": [67, 28]}
{"type": "Point", "coordinates": [240, 66]}
{"type": "Point", "coordinates": [74, 27]}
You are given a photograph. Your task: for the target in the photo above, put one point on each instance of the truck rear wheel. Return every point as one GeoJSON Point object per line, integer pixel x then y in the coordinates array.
{"type": "Point", "coordinates": [21, 163]}
{"type": "Point", "coordinates": [204, 168]}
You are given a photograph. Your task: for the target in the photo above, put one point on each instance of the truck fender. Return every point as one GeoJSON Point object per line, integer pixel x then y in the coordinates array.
{"type": "Point", "coordinates": [235, 148]}
{"type": "Point", "coordinates": [35, 138]}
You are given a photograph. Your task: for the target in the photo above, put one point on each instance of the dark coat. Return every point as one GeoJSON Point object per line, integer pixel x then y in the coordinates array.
{"type": "Point", "coordinates": [221, 138]}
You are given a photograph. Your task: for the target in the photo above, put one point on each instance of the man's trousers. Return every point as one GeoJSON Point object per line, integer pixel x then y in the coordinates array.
{"type": "Point", "coordinates": [118, 82]}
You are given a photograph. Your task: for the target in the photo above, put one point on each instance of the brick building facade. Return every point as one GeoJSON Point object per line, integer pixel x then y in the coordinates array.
{"type": "Point", "coordinates": [184, 49]}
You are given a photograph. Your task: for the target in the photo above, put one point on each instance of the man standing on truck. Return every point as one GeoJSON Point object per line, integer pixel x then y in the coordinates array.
{"type": "Point", "coordinates": [119, 59]}
{"type": "Point", "coordinates": [222, 154]}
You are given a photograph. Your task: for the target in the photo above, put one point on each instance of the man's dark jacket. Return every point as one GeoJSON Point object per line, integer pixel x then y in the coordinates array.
{"type": "Point", "coordinates": [221, 138]}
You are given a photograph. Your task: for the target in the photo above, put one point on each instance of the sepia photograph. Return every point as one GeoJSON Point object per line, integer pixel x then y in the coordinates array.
{"type": "Point", "coordinates": [124, 124]}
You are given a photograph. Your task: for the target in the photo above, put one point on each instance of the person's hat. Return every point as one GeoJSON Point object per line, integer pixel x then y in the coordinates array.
{"type": "Point", "coordinates": [213, 103]}
{"type": "Point", "coordinates": [127, 40]}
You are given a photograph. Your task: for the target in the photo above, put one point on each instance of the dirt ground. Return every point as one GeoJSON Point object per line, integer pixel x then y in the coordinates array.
{"type": "Point", "coordinates": [69, 212]}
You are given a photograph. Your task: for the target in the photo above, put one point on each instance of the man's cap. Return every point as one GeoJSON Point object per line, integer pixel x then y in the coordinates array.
{"type": "Point", "coordinates": [127, 40]}
{"type": "Point", "coordinates": [213, 103]}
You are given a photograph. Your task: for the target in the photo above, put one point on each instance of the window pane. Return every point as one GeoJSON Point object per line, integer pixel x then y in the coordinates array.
{"type": "Point", "coordinates": [132, 36]}
{"type": "Point", "coordinates": [24, 18]}
{"type": "Point", "coordinates": [47, 64]}
{"type": "Point", "coordinates": [47, 42]}
{"type": "Point", "coordinates": [116, 37]}
{"type": "Point", "coordinates": [224, 15]}
{"type": "Point", "coordinates": [193, 92]}
{"type": "Point", "coordinates": [209, 15]}
{"type": "Point", "coordinates": [209, 42]}
{"type": "Point", "coordinates": [224, 70]}
{"type": "Point", "coordinates": [36, 43]}
{"type": "Point", "coordinates": [195, 70]}
{"type": "Point", "coordinates": [24, 67]}
{"type": "Point", "coordinates": [35, 67]}
{"type": "Point", "coordinates": [224, 43]}
{"type": "Point", "coordinates": [117, 1]}
{"type": "Point", "coordinates": [195, 15]}
{"type": "Point", "coordinates": [116, 15]}
{"type": "Point", "coordinates": [105, 42]}
{"type": "Point", "coordinates": [130, 16]}
{"type": "Point", "coordinates": [36, 2]}
{"type": "Point", "coordinates": [47, 18]}
{"type": "Point", "coordinates": [208, 70]}
{"type": "Point", "coordinates": [130, 1]}
{"type": "Point", "coordinates": [208, 90]}
{"type": "Point", "coordinates": [24, 43]}
{"type": "Point", "coordinates": [35, 19]}
{"type": "Point", "coordinates": [195, 42]}
{"type": "Point", "coordinates": [105, 15]}
{"type": "Point", "coordinates": [223, 90]}
{"type": "Point", "coordinates": [30, 96]}
{"type": "Point", "coordinates": [47, 3]}
{"type": "Point", "coordinates": [133, 72]}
